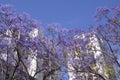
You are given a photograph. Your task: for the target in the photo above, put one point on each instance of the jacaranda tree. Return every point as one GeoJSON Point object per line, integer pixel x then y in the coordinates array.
{"type": "Point", "coordinates": [16, 43]}
{"type": "Point", "coordinates": [109, 31]}
{"type": "Point", "coordinates": [24, 50]}
{"type": "Point", "coordinates": [29, 53]}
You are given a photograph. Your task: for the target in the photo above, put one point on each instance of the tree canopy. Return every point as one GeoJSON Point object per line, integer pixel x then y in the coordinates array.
{"type": "Point", "coordinates": [29, 53]}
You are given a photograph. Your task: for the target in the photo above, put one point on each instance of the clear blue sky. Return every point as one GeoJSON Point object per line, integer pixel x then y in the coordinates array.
{"type": "Point", "coordinates": [69, 13]}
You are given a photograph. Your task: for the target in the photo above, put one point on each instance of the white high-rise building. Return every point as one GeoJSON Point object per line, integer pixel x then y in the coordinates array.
{"type": "Point", "coordinates": [94, 47]}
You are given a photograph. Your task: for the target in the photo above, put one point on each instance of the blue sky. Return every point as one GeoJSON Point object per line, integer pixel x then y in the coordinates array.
{"type": "Point", "coordinates": [69, 13]}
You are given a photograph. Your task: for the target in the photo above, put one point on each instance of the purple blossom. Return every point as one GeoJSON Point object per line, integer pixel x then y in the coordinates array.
{"type": "Point", "coordinates": [101, 13]}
